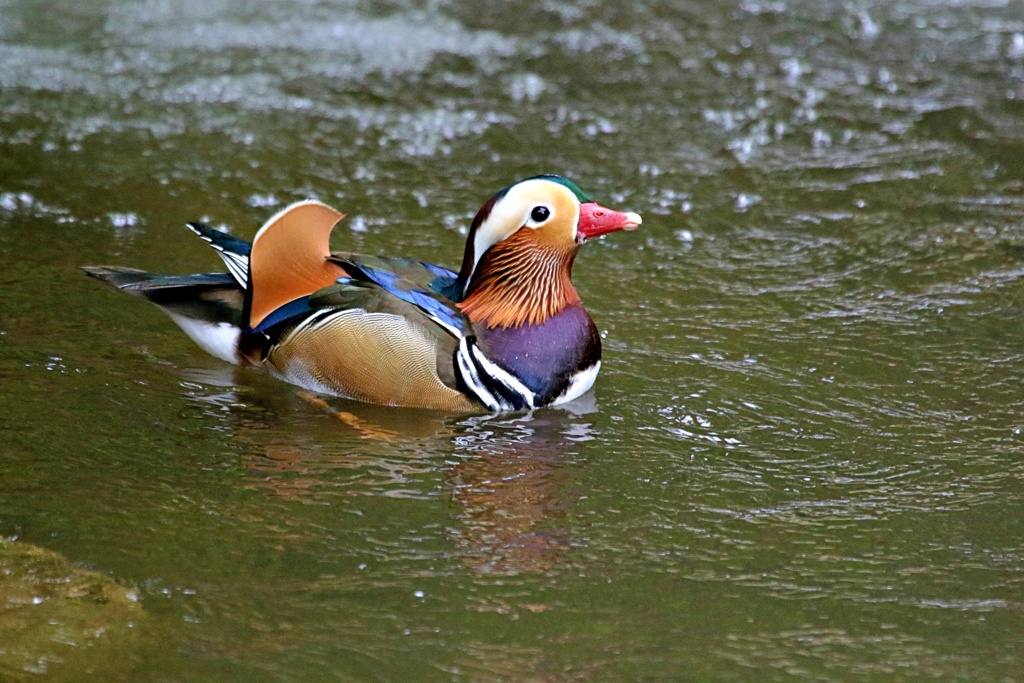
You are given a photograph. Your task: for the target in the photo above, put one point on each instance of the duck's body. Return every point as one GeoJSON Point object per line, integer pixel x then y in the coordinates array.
{"type": "Point", "coordinates": [507, 332]}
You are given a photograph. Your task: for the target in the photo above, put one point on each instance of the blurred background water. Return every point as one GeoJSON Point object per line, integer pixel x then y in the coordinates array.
{"type": "Point", "coordinates": [802, 460]}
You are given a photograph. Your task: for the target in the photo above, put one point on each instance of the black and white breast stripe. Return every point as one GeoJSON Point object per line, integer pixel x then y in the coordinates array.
{"type": "Point", "coordinates": [494, 386]}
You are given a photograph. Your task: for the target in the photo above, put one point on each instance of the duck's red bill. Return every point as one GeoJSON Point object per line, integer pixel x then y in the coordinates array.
{"type": "Point", "coordinates": [597, 220]}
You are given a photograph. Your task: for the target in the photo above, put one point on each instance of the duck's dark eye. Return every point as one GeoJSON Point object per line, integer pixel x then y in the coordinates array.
{"type": "Point", "coordinates": [540, 214]}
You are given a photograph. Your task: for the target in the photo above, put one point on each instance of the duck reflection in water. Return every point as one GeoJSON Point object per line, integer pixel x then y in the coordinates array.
{"type": "Point", "coordinates": [510, 475]}
{"type": "Point", "coordinates": [514, 489]}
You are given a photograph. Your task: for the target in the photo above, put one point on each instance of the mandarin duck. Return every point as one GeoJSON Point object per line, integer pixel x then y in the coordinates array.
{"type": "Point", "coordinates": [506, 332]}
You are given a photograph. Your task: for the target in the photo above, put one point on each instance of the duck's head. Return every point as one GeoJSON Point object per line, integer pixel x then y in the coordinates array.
{"type": "Point", "coordinates": [521, 247]}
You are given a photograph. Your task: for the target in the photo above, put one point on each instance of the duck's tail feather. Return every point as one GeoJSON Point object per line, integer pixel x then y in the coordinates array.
{"type": "Point", "coordinates": [232, 250]}
{"type": "Point", "coordinates": [208, 306]}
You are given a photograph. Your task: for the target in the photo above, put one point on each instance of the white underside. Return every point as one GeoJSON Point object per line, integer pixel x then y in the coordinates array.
{"type": "Point", "coordinates": [579, 384]}
{"type": "Point", "coordinates": [217, 339]}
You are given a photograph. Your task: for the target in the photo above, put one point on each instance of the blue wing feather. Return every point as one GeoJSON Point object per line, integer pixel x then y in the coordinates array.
{"type": "Point", "coordinates": [421, 294]}
{"type": "Point", "coordinates": [434, 305]}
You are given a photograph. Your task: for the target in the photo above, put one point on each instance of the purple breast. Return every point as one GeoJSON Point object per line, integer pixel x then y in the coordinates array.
{"type": "Point", "coordinates": [545, 356]}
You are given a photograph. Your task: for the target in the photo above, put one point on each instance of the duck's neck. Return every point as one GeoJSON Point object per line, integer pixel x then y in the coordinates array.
{"type": "Point", "coordinates": [519, 282]}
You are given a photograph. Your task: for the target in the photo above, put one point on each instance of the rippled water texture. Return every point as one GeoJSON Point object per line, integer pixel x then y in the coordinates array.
{"type": "Point", "coordinates": [802, 461]}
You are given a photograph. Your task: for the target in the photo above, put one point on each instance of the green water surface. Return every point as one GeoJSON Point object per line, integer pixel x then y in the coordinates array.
{"type": "Point", "coordinates": [803, 459]}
